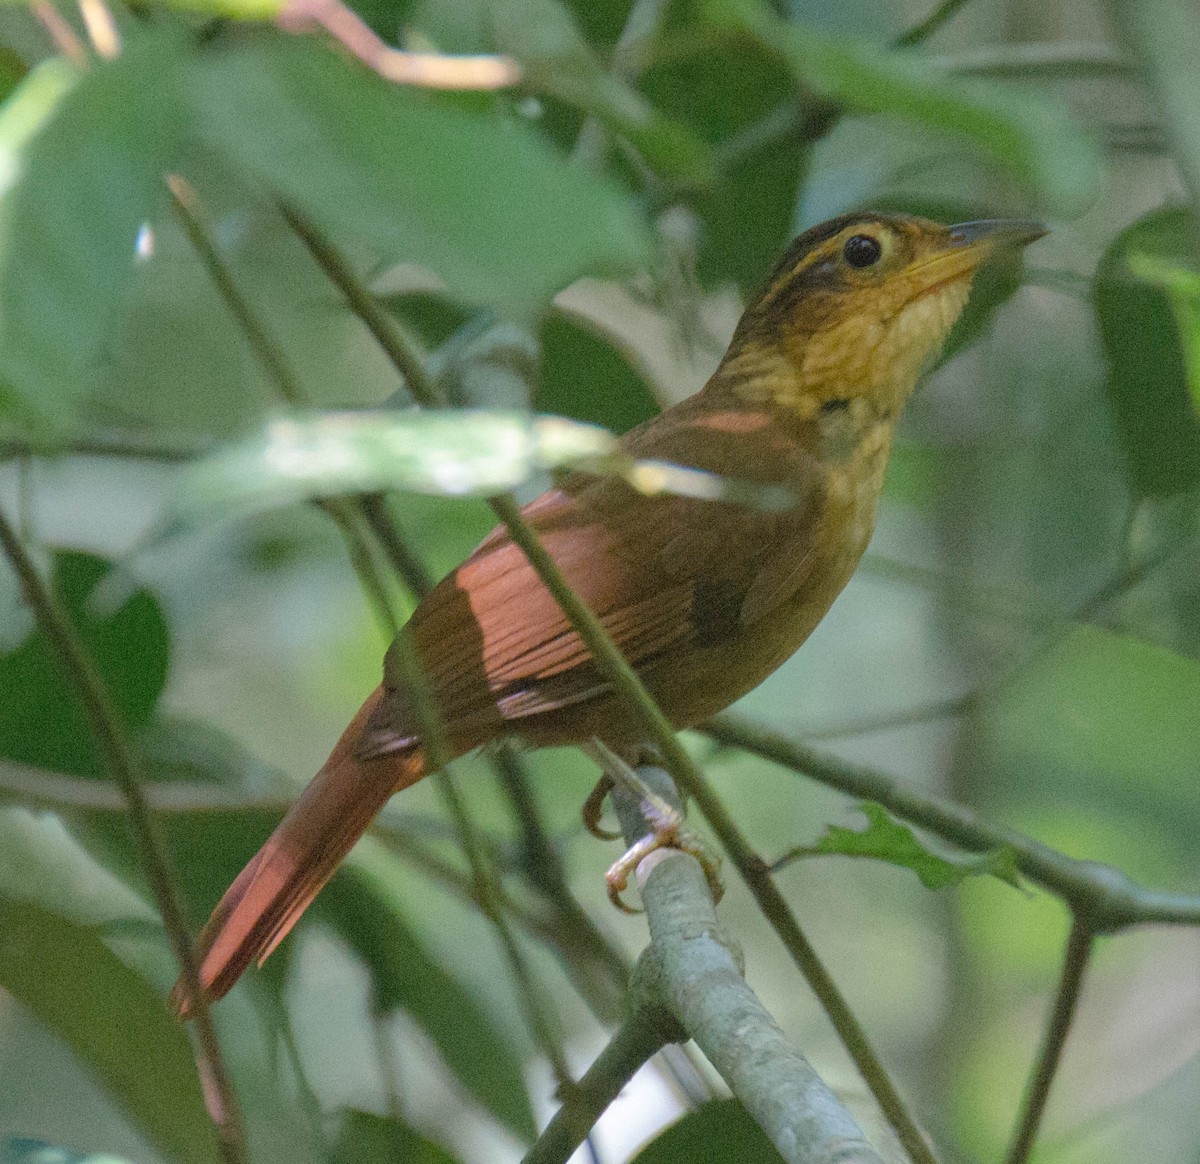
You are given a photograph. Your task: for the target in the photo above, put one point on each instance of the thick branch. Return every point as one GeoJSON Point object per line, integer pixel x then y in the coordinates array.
{"type": "Point", "coordinates": [689, 983]}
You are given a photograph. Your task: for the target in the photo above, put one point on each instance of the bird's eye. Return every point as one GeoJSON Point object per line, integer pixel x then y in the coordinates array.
{"type": "Point", "coordinates": [861, 250]}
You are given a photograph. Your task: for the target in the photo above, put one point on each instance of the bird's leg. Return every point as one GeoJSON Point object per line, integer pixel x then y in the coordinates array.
{"type": "Point", "coordinates": [668, 829]}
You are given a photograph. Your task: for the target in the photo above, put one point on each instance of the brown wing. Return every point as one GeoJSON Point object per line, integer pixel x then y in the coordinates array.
{"type": "Point", "coordinates": [665, 574]}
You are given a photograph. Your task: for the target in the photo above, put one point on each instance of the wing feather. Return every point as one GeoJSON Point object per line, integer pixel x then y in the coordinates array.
{"type": "Point", "coordinates": [663, 574]}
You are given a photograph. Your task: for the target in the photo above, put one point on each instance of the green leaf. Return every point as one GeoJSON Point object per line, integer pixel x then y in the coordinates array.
{"type": "Point", "coordinates": [81, 165]}
{"type": "Point", "coordinates": [1147, 384]}
{"type": "Point", "coordinates": [372, 1139]}
{"type": "Point", "coordinates": [484, 203]}
{"type": "Point", "coordinates": [448, 452]}
{"type": "Point", "coordinates": [129, 645]}
{"type": "Point", "coordinates": [558, 62]}
{"type": "Point", "coordinates": [586, 376]}
{"type": "Point", "coordinates": [113, 1021]}
{"type": "Point", "coordinates": [1182, 285]}
{"type": "Point", "coordinates": [718, 1132]}
{"type": "Point", "coordinates": [1033, 138]}
{"type": "Point", "coordinates": [886, 839]}
{"type": "Point", "coordinates": [364, 905]}
{"type": "Point", "coordinates": [440, 452]}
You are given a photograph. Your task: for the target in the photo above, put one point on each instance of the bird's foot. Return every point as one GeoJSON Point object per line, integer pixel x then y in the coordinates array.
{"type": "Point", "coordinates": [668, 828]}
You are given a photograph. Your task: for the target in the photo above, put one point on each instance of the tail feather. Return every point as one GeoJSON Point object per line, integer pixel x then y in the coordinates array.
{"type": "Point", "coordinates": [283, 877]}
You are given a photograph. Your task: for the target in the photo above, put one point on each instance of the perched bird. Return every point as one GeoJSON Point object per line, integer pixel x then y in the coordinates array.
{"type": "Point", "coordinates": [704, 598]}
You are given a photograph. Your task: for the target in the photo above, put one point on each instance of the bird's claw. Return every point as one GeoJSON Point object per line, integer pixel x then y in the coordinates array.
{"type": "Point", "coordinates": [669, 831]}
{"type": "Point", "coordinates": [593, 809]}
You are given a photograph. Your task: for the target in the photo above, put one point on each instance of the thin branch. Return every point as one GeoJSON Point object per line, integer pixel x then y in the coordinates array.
{"type": "Point", "coordinates": [1075, 963]}
{"type": "Point", "coordinates": [401, 351]}
{"type": "Point", "coordinates": [61, 33]}
{"type": "Point", "coordinates": [924, 29]}
{"type": "Point", "coordinates": [1051, 60]}
{"type": "Point", "coordinates": [543, 869]}
{"type": "Point", "coordinates": [642, 28]}
{"type": "Point", "coordinates": [1106, 896]}
{"type": "Point", "coordinates": [407, 566]}
{"type": "Point", "coordinates": [389, 335]}
{"type": "Point", "coordinates": [268, 353]}
{"type": "Point", "coordinates": [483, 71]}
{"type": "Point", "coordinates": [645, 1031]}
{"type": "Point", "coordinates": [349, 517]}
{"type": "Point", "coordinates": [123, 767]}
{"type": "Point", "coordinates": [135, 445]}
{"type": "Point", "coordinates": [101, 28]}
{"type": "Point", "coordinates": [750, 865]}
{"type": "Point", "coordinates": [1054, 626]}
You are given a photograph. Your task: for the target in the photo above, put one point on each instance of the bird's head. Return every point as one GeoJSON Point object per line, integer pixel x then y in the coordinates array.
{"type": "Point", "coordinates": [859, 306]}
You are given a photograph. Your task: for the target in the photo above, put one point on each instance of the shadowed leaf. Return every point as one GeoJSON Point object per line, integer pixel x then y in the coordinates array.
{"type": "Point", "coordinates": [113, 1021]}
{"type": "Point", "coordinates": [1148, 372]}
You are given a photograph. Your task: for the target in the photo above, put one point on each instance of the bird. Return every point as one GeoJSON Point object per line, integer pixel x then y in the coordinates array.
{"type": "Point", "coordinates": [705, 598]}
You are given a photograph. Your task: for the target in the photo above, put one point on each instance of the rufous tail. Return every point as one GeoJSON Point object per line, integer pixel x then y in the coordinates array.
{"type": "Point", "coordinates": [275, 888]}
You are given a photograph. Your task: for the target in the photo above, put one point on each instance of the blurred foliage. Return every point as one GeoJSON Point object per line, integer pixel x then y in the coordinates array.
{"type": "Point", "coordinates": [1025, 636]}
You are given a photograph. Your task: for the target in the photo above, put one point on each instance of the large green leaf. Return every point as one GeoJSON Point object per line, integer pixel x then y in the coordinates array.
{"type": "Point", "coordinates": [362, 903]}
{"type": "Point", "coordinates": [367, 1138]}
{"type": "Point", "coordinates": [1147, 382]}
{"type": "Point", "coordinates": [114, 1022]}
{"type": "Point", "coordinates": [483, 202]}
{"type": "Point", "coordinates": [81, 164]}
{"type": "Point", "coordinates": [1033, 138]}
{"type": "Point", "coordinates": [718, 1132]}
{"type": "Point", "coordinates": [330, 454]}
{"type": "Point", "coordinates": [129, 646]}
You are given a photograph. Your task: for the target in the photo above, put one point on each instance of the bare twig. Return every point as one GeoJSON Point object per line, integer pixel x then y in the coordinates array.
{"type": "Point", "coordinates": [349, 517]}
{"type": "Point", "coordinates": [397, 346]}
{"type": "Point", "coordinates": [1058, 60]}
{"type": "Point", "coordinates": [425, 70]}
{"type": "Point", "coordinates": [1106, 896]}
{"type": "Point", "coordinates": [61, 33]}
{"type": "Point", "coordinates": [924, 29]}
{"type": "Point", "coordinates": [101, 28]}
{"type": "Point", "coordinates": [1075, 963]}
{"type": "Point", "coordinates": [123, 767]}
{"type": "Point", "coordinates": [268, 353]}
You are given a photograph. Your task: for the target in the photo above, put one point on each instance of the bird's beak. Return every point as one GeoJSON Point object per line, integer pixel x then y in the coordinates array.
{"type": "Point", "coordinates": [992, 233]}
{"type": "Point", "coordinates": [959, 253]}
